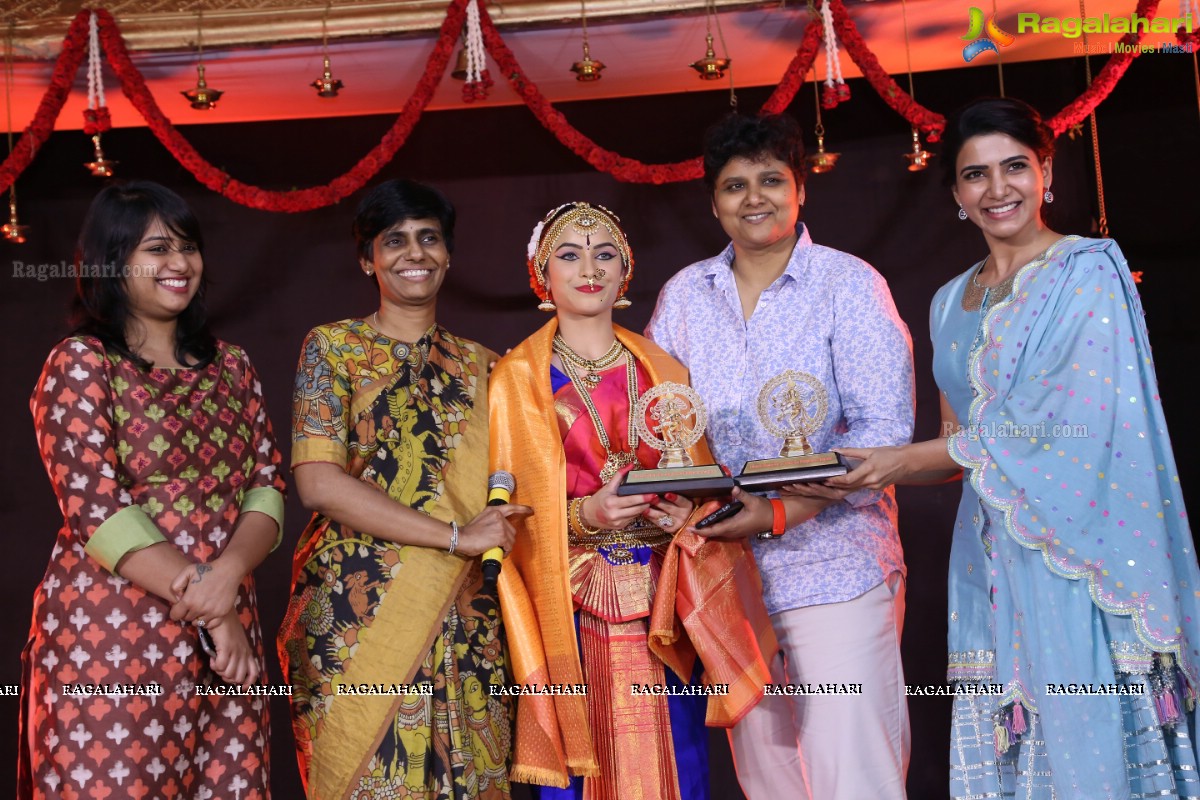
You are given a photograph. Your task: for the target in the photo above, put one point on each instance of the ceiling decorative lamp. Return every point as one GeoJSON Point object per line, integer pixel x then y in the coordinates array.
{"type": "Point", "coordinates": [100, 167]}
{"type": "Point", "coordinates": [326, 85]}
{"type": "Point", "coordinates": [918, 157]}
{"type": "Point", "coordinates": [822, 160]}
{"type": "Point", "coordinates": [711, 68]}
{"type": "Point", "coordinates": [96, 119]}
{"type": "Point", "coordinates": [200, 96]}
{"type": "Point", "coordinates": [13, 230]}
{"type": "Point", "coordinates": [459, 73]}
{"type": "Point", "coordinates": [587, 70]}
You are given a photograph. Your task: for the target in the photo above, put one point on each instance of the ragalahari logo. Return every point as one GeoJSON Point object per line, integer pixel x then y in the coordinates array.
{"type": "Point", "coordinates": [980, 42]}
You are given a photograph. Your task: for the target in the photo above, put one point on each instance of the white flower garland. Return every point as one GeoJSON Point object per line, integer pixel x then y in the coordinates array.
{"type": "Point", "coordinates": [833, 63]}
{"type": "Point", "coordinates": [95, 78]}
{"type": "Point", "coordinates": [474, 43]}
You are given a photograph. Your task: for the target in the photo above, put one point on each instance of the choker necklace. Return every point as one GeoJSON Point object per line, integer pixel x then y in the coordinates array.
{"type": "Point", "coordinates": [975, 277]}
{"type": "Point", "coordinates": [593, 366]}
{"type": "Point", "coordinates": [982, 267]}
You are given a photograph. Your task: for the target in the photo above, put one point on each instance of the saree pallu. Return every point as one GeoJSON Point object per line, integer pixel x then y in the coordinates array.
{"type": "Point", "coordinates": [706, 600]}
{"type": "Point", "coordinates": [392, 649]}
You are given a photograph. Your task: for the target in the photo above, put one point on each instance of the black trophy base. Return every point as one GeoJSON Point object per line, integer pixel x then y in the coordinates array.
{"type": "Point", "coordinates": [767, 474]}
{"type": "Point", "coordinates": [706, 481]}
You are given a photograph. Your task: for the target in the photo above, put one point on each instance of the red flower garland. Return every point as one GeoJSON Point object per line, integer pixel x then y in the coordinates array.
{"type": "Point", "coordinates": [42, 126]}
{"type": "Point", "coordinates": [932, 123]}
{"type": "Point", "coordinates": [134, 86]}
{"type": "Point", "coordinates": [615, 164]}
{"type": "Point", "coordinates": [96, 120]}
{"type": "Point", "coordinates": [793, 76]}
{"type": "Point", "coordinates": [900, 101]}
{"type": "Point", "coordinates": [1103, 84]}
{"type": "Point", "coordinates": [622, 168]}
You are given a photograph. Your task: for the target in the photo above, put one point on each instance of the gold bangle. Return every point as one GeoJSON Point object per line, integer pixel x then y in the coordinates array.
{"type": "Point", "coordinates": [575, 518]}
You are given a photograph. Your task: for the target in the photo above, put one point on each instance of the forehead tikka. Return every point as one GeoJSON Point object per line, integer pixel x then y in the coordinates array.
{"type": "Point", "coordinates": [584, 220]}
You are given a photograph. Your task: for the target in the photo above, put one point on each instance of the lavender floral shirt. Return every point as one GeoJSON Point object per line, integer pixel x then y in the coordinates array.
{"type": "Point", "coordinates": [831, 315]}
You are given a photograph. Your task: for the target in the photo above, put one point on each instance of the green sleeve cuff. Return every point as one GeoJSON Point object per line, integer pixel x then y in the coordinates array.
{"type": "Point", "coordinates": [121, 534]}
{"type": "Point", "coordinates": [266, 500]}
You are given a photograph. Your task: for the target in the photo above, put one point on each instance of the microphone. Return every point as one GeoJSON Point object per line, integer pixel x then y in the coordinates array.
{"type": "Point", "coordinates": [501, 485]}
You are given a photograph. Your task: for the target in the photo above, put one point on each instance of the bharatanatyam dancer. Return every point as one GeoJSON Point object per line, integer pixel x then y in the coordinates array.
{"type": "Point", "coordinates": [1073, 576]}
{"type": "Point", "coordinates": [603, 590]}
{"type": "Point", "coordinates": [391, 641]}
{"type": "Point", "coordinates": [157, 443]}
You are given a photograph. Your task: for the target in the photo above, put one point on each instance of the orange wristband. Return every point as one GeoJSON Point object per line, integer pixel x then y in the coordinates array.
{"type": "Point", "coordinates": [778, 517]}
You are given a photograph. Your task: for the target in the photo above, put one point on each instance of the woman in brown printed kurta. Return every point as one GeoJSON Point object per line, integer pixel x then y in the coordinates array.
{"type": "Point", "coordinates": [160, 452]}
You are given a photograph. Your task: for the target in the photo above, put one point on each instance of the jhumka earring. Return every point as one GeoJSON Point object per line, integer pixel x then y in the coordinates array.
{"type": "Point", "coordinates": [622, 303]}
{"type": "Point", "coordinates": [547, 305]}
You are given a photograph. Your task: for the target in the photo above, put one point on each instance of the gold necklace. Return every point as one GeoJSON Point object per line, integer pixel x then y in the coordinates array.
{"type": "Point", "coordinates": [613, 462]}
{"type": "Point", "coordinates": [593, 366]}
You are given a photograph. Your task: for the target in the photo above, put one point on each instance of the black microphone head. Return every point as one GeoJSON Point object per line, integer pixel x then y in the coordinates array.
{"type": "Point", "coordinates": [491, 572]}
{"type": "Point", "coordinates": [502, 480]}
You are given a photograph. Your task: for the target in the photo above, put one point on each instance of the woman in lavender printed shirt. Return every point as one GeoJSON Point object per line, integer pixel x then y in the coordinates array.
{"type": "Point", "coordinates": [832, 566]}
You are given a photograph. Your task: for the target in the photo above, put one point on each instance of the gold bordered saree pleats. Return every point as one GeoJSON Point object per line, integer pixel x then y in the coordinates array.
{"type": "Point", "coordinates": [632, 732]}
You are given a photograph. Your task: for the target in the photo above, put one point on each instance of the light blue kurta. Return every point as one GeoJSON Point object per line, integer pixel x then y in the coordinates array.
{"type": "Point", "coordinates": [1072, 560]}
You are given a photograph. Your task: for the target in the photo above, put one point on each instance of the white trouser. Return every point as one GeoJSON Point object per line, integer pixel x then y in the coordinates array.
{"type": "Point", "coordinates": [832, 746]}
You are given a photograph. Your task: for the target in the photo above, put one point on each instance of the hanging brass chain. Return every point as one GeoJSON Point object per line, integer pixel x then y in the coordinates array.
{"type": "Point", "coordinates": [999, 59]}
{"type": "Point", "coordinates": [907, 50]}
{"type": "Point", "coordinates": [1196, 74]}
{"type": "Point", "coordinates": [8, 84]}
{"type": "Point", "coordinates": [1087, 64]}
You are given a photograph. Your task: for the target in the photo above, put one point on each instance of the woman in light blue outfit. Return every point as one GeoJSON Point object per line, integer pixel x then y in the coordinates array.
{"type": "Point", "coordinates": [1073, 579]}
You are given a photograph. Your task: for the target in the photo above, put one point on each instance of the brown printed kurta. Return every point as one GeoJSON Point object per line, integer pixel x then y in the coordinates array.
{"type": "Point", "coordinates": [136, 458]}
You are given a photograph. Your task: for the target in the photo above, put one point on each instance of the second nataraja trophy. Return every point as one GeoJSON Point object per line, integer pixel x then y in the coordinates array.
{"type": "Point", "coordinates": [792, 405]}
{"type": "Point", "coordinates": [671, 418]}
